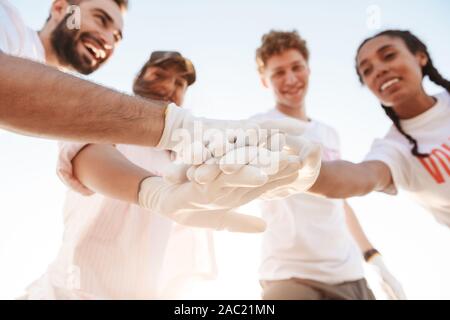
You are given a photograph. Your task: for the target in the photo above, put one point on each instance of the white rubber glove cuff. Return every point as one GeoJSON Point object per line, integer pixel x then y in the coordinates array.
{"type": "Point", "coordinates": [176, 118]}
{"type": "Point", "coordinates": [148, 196]}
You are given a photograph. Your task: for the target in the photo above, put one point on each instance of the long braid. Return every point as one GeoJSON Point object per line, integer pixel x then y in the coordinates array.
{"type": "Point", "coordinates": [414, 45]}
{"type": "Point", "coordinates": [396, 120]}
{"type": "Point", "coordinates": [435, 76]}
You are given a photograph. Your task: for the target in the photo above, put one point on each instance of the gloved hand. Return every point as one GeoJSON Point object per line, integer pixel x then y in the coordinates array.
{"type": "Point", "coordinates": [310, 157]}
{"type": "Point", "coordinates": [184, 133]}
{"type": "Point", "coordinates": [299, 149]}
{"type": "Point", "coordinates": [211, 205]}
{"type": "Point", "coordinates": [228, 151]}
{"type": "Point", "coordinates": [263, 161]}
{"type": "Point", "coordinates": [391, 286]}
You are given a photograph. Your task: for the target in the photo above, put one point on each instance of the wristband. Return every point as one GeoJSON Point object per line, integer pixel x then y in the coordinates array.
{"type": "Point", "coordinates": [369, 254]}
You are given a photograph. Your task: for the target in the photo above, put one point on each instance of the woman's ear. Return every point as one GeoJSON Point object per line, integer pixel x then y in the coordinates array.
{"type": "Point", "coordinates": [422, 58]}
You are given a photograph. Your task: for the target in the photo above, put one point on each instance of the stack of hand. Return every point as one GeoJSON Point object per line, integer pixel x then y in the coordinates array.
{"type": "Point", "coordinates": [222, 165]}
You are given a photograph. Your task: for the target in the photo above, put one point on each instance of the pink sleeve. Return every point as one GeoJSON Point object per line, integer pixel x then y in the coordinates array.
{"type": "Point", "coordinates": [64, 169]}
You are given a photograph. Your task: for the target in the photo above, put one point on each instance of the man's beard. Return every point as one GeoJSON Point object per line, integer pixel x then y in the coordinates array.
{"type": "Point", "coordinates": [65, 42]}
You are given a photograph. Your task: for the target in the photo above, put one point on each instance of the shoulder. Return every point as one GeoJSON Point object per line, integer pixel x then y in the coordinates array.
{"type": "Point", "coordinates": [11, 19]}
{"type": "Point", "coordinates": [267, 115]}
{"type": "Point", "coordinates": [393, 153]}
{"type": "Point", "coordinates": [394, 139]}
{"type": "Point", "coordinates": [391, 142]}
{"type": "Point", "coordinates": [12, 28]}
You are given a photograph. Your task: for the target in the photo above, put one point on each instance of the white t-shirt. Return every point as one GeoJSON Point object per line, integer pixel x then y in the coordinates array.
{"type": "Point", "coordinates": [16, 38]}
{"type": "Point", "coordinates": [426, 179]}
{"type": "Point", "coordinates": [307, 235]}
{"type": "Point", "coordinates": [116, 250]}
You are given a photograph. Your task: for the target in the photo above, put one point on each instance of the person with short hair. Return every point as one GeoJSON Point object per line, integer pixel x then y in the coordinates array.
{"type": "Point", "coordinates": [309, 249]}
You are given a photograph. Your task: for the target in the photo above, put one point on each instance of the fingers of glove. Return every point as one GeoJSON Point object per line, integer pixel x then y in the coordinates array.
{"type": "Point", "coordinates": [310, 150]}
{"type": "Point", "coordinates": [401, 295]}
{"type": "Point", "coordinates": [263, 158]}
{"type": "Point", "coordinates": [247, 176]}
{"type": "Point", "coordinates": [308, 172]}
{"type": "Point", "coordinates": [284, 162]}
{"type": "Point", "coordinates": [270, 162]}
{"type": "Point", "coordinates": [222, 220]}
{"type": "Point", "coordinates": [312, 157]}
{"type": "Point", "coordinates": [276, 142]}
{"type": "Point", "coordinates": [391, 292]}
{"type": "Point", "coordinates": [220, 146]}
{"type": "Point", "coordinates": [207, 173]}
{"type": "Point", "coordinates": [292, 185]}
{"type": "Point", "coordinates": [176, 172]}
{"type": "Point", "coordinates": [390, 284]}
{"type": "Point", "coordinates": [310, 154]}
{"type": "Point", "coordinates": [195, 153]}
{"type": "Point", "coordinates": [393, 288]}
{"type": "Point", "coordinates": [217, 142]}
{"type": "Point", "coordinates": [255, 193]}
{"type": "Point", "coordinates": [222, 143]}
{"type": "Point", "coordinates": [190, 174]}
{"type": "Point", "coordinates": [234, 160]}
{"type": "Point", "coordinates": [246, 137]}
{"type": "Point", "coordinates": [287, 168]}
{"type": "Point", "coordinates": [295, 144]}
{"type": "Point", "coordinates": [302, 147]}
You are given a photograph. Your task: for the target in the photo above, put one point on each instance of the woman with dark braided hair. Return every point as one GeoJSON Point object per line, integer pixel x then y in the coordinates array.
{"type": "Point", "coordinates": [415, 153]}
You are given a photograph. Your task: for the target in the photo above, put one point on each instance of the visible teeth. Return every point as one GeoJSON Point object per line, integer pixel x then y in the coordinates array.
{"type": "Point", "coordinates": [389, 83]}
{"type": "Point", "coordinates": [102, 54]}
{"type": "Point", "coordinates": [295, 91]}
{"type": "Point", "coordinates": [99, 53]}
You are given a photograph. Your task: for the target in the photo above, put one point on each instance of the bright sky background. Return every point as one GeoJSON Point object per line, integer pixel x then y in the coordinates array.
{"type": "Point", "coordinates": [220, 37]}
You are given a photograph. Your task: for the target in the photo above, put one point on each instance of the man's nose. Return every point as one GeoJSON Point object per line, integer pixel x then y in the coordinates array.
{"type": "Point", "coordinates": [171, 85]}
{"type": "Point", "coordinates": [290, 78]}
{"type": "Point", "coordinates": [108, 40]}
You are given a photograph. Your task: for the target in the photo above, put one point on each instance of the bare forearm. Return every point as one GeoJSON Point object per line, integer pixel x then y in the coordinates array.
{"type": "Point", "coordinates": [41, 101]}
{"type": "Point", "coordinates": [356, 229]}
{"type": "Point", "coordinates": [343, 179]}
{"type": "Point", "coordinates": [103, 169]}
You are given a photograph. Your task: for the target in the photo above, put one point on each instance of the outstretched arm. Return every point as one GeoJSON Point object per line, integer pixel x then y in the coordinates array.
{"type": "Point", "coordinates": [356, 230]}
{"type": "Point", "coordinates": [39, 100]}
{"type": "Point", "coordinates": [343, 179]}
{"type": "Point", "coordinates": [103, 169]}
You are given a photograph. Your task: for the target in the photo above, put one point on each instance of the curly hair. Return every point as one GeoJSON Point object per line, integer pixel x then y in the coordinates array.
{"type": "Point", "coordinates": [276, 42]}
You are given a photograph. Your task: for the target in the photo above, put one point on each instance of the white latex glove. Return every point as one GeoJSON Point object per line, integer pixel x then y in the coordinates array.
{"type": "Point", "coordinates": [306, 153]}
{"type": "Point", "coordinates": [391, 286]}
{"type": "Point", "coordinates": [310, 156]}
{"type": "Point", "coordinates": [264, 162]}
{"type": "Point", "coordinates": [231, 154]}
{"type": "Point", "coordinates": [211, 205]}
{"type": "Point", "coordinates": [184, 133]}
